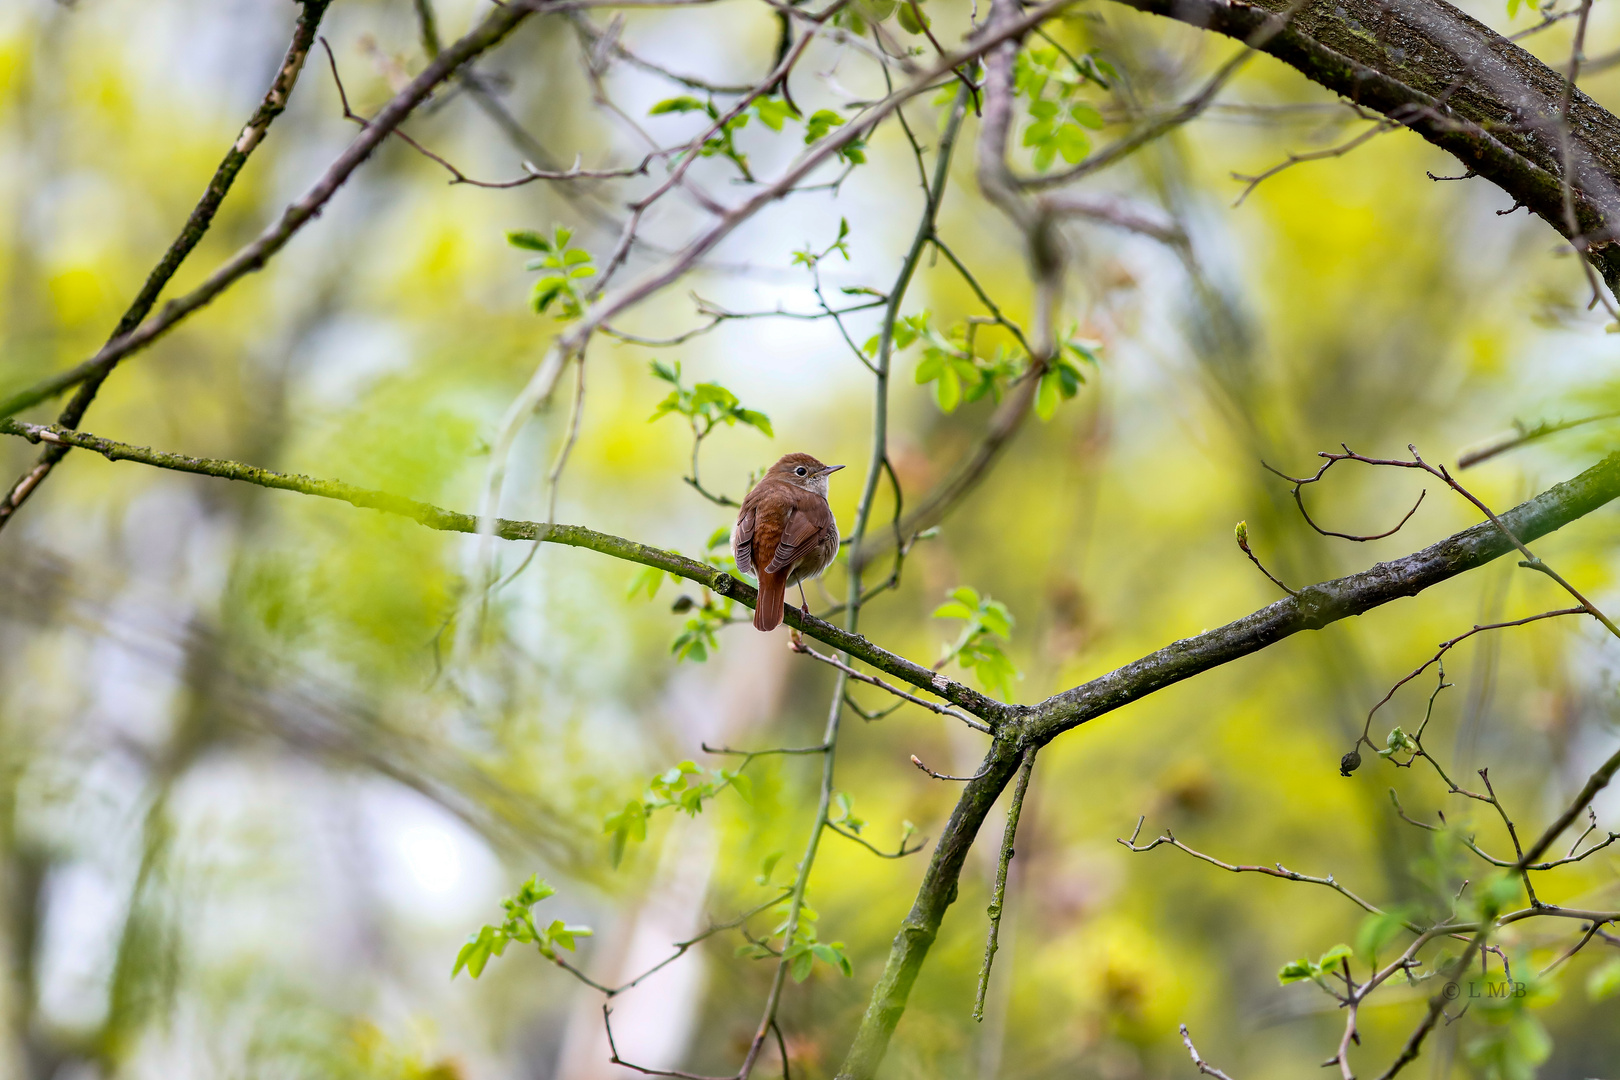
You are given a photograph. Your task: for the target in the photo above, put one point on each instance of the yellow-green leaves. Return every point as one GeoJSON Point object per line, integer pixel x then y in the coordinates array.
{"type": "Point", "coordinates": [561, 267]}
{"type": "Point", "coordinates": [1398, 742]}
{"type": "Point", "coordinates": [806, 947]}
{"type": "Point", "coordinates": [518, 926]}
{"type": "Point", "coordinates": [977, 648]}
{"type": "Point", "coordinates": [950, 363]}
{"type": "Point", "coordinates": [1303, 968]}
{"type": "Point", "coordinates": [1058, 122]}
{"type": "Point", "coordinates": [685, 786]}
{"type": "Point", "coordinates": [705, 404]}
{"type": "Point", "coordinates": [1604, 983]}
{"type": "Point", "coordinates": [1063, 377]}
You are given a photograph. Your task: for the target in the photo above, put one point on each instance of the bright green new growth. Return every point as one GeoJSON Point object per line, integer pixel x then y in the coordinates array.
{"type": "Point", "coordinates": [519, 926]}
{"type": "Point", "coordinates": [685, 786]}
{"type": "Point", "coordinates": [704, 405]}
{"type": "Point", "coordinates": [562, 266]}
{"type": "Point", "coordinates": [976, 648]}
{"type": "Point", "coordinates": [1058, 123]}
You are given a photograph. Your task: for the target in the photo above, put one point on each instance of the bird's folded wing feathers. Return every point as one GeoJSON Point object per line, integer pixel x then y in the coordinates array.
{"type": "Point", "coordinates": [799, 538]}
{"type": "Point", "coordinates": [742, 540]}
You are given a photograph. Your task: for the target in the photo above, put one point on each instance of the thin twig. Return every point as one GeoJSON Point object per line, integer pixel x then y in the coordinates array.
{"type": "Point", "coordinates": [999, 895]}
{"type": "Point", "coordinates": [872, 680]}
{"type": "Point", "coordinates": [1198, 1062]}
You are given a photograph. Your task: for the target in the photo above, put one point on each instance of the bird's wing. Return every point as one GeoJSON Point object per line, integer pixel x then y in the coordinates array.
{"type": "Point", "coordinates": [742, 539]}
{"type": "Point", "coordinates": [799, 536]}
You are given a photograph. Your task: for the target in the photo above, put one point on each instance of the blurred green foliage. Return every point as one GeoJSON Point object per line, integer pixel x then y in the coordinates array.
{"type": "Point", "coordinates": [233, 744]}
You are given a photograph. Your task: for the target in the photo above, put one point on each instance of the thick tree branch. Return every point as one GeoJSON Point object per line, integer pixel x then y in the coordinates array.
{"type": "Point", "coordinates": [1460, 85]}
{"type": "Point", "coordinates": [434, 517]}
{"type": "Point", "coordinates": [1314, 607]}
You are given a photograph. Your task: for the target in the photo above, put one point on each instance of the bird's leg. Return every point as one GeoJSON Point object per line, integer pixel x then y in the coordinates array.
{"type": "Point", "coordinates": [804, 605]}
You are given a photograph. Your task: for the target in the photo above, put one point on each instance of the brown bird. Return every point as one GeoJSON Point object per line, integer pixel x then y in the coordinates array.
{"type": "Point", "coordinates": [785, 532]}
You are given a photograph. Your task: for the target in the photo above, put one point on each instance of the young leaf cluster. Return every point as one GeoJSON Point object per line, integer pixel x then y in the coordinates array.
{"type": "Point", "coordinates": [952, 364]}
{"type": "Point", "coordinates": [773, 113]}
{"type": "Point", "coordinates": [1063, 377]}
{"type": "Point", "coordinates": [561, 266]}
{"type": "Point", "coordinates": [977, 648]}
{"type": "Point", "coordinates": [858, 15]}
{"type": "Point", "coordinates": [1316, 971]}
{"type": "Point", "coordinates": [706, 615]}
{"type": "Point", "coordinates": [805, 948]}
{"type": "Point", "coordinates": [518, 926]}
{"type": "Point", "coordinates": [686, 787]}
{"type": "Point", "coordinates": [1057, 122]}
{"type": "Point", "coordinates": [705, 405]}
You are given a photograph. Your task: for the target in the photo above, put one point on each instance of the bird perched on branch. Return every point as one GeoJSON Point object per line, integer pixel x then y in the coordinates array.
{"type": "Point", "coordinates": [785, 532]}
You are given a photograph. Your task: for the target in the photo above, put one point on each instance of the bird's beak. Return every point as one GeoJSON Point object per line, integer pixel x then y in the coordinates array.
{"type": "Point", "coordinates": [828, 470]}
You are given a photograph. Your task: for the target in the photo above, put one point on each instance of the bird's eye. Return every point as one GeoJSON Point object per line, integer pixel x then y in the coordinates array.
{"type": "Point", "coordinates": [800, 470]}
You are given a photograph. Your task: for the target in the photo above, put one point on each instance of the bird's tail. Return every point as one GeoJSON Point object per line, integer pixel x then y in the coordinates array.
{"type": "Point", "coordinates": [768, 607]}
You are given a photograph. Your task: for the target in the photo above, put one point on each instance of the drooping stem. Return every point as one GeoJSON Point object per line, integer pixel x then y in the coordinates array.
{"type": "Point", "coordinates": [863, 512]}
{"type": "Point", "coordinates": [999, 897]}
{"type": "Point", "coordinates": [197, 224]}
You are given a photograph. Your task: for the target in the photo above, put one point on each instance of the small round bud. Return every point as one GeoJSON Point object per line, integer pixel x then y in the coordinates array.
{"type": "Point", "coordinates": [1242, 533]}
{"type": "Point", "coordinates": [682, 603]}
{"type": "Point", "coordinates": [1349, 763]}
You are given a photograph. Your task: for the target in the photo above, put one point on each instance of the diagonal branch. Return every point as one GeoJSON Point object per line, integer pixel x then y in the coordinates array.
{"type": "Point", "coordinates": [1408, 58]}
{"type": "Point", "coordinates": [201, 217]}
{"type": "Point", "coordinates": [487, 34]}
{"type": "Point", "coordinates": [1315, 607]}
{"type": "Point", "coordinates": [434, 517]}
{"type": "Point", "coordinates": [1019, 727]}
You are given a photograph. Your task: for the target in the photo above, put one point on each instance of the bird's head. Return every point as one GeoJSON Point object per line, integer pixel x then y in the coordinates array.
{"type": "Point", "coordinates": [802, 470]}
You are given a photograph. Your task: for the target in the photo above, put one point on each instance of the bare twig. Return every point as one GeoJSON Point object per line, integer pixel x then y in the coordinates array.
{"type": "Point", "coordinates": [871, 680]}
{"type": "Point", "coordinates": [999, 895]}
{"type": "Point", "coordinates": [1524, 435]}
{"type": "Point", "coordinates": [917, 761]}
{"type": "Point", "coordinates": [197, 224]}
{"type": "Point", "coordinates": [490, 32]}
{"type": "Point", "coordinates": [1198, 1062]}
{"type": "Point", "coordinates": [1279, 871]}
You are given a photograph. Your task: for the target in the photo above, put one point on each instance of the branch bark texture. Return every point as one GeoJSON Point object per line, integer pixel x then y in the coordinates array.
{"type": "Point", "coordinates": [202, 216]}
{"type": "Point", "coordinates": [1314, 607]}
{"type": "Point", "coordinates": [1465, 88]}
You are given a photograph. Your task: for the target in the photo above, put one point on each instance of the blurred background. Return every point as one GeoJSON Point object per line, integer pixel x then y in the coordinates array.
{"type": "Point", "coordinates": [249, 809]}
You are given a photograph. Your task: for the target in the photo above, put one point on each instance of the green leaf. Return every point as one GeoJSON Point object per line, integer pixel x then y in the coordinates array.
{"type": "Point", "coordinates": [801, 963]}
{"type": "Point", "coordinates": [1048, 394]}
{"type": "Point", "coordinates": [758, 420]}
{"type": "Point", "coordinates": [1604, 983]}
{"type": "Point", "coordinates": [820, 123]}
{"type": "Point", "coordinates": [948, 390]}
{"type": "Point", "coordinates": [913, 20]}
{"type": "Point", "coordinates": [773, 111]}
{"type": "Point", "coordinates": [1377, 931]}
{"type": "Point", "coordinates": [1087, 115]}
{"type": "Point", "coordinates": [1333, 956]}
{"type": "Point", "coordinates": [528, 239]}
{"type": "Point", "coordinates": [682, 104]}
{"type": "Point", "coordinates": [475, 954]}
{"type": "Point", "coordinates": [955, 609]}
{"type": "Point", "coordinates": [1296, 971]}
{"type": "Point", "coordinates": [545, 291]}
